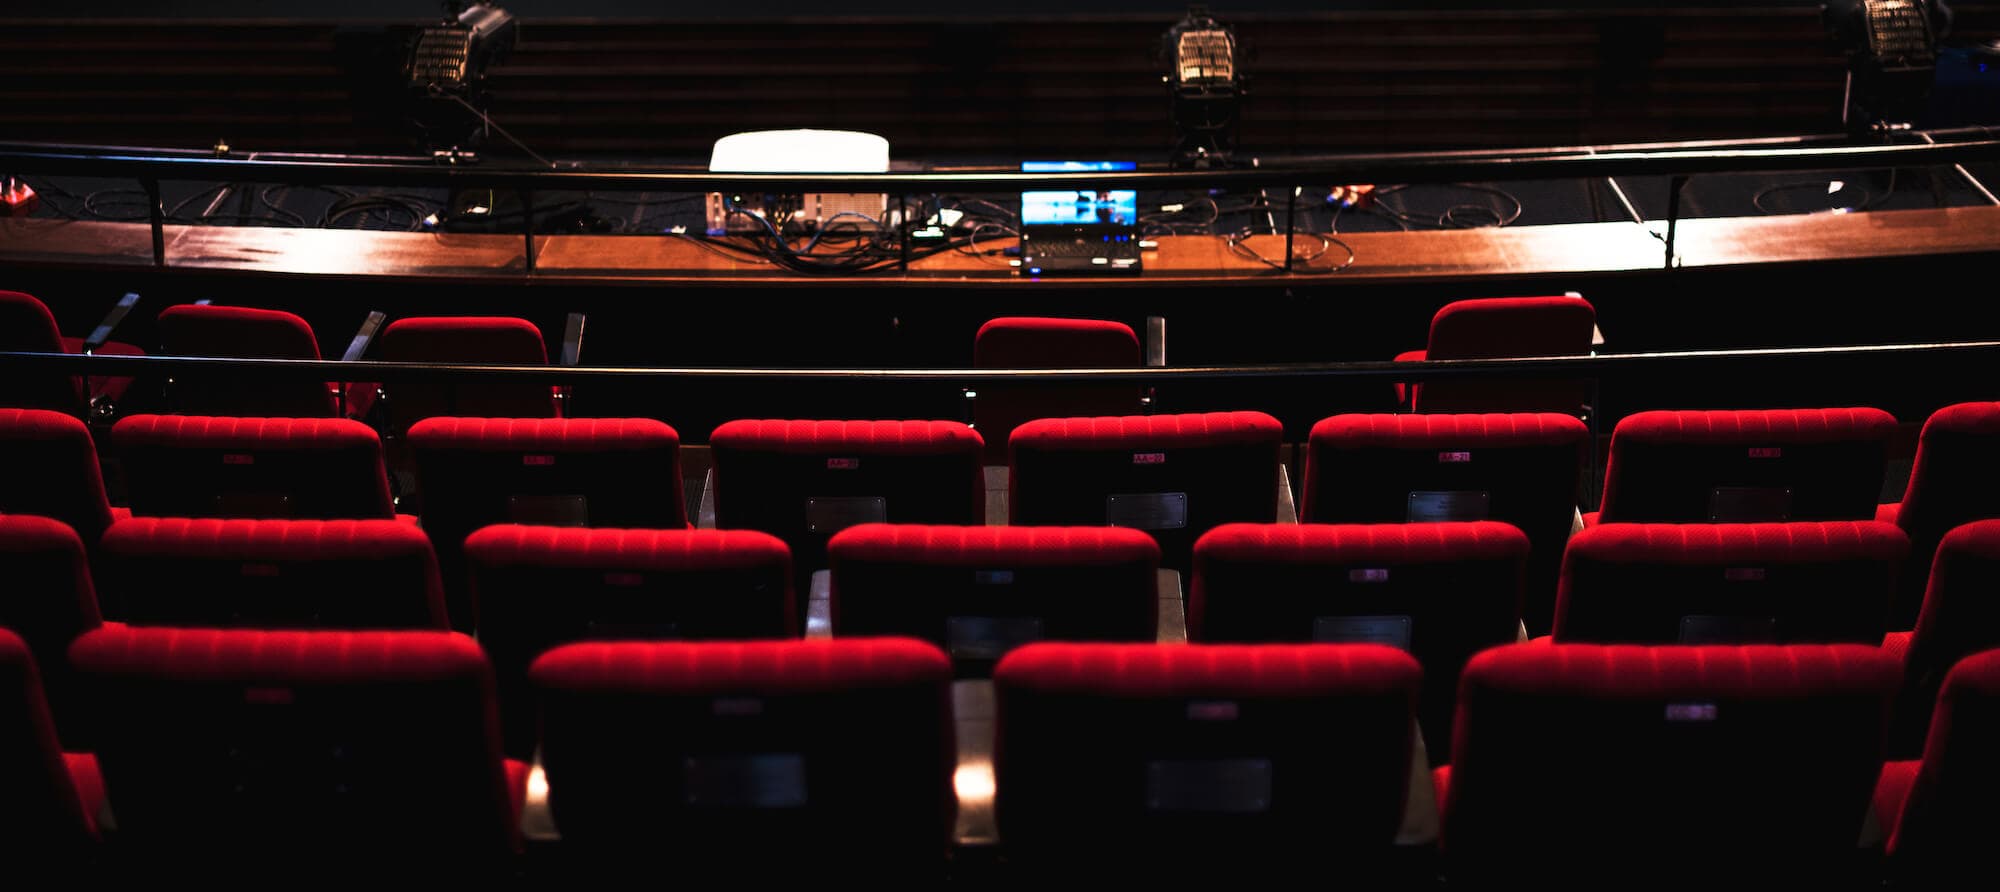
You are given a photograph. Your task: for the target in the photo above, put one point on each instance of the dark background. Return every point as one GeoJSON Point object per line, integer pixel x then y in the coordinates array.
{"type": "Point", "coordinates": [945, 81]}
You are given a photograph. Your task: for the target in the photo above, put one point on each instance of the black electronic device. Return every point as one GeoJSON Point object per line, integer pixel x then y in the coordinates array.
{"type": "Point", "coordinates": [1080, 231]}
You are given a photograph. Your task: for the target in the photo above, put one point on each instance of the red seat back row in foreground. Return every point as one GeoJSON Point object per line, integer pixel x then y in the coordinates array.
{"type": "Point", "coordinates": [1939, 811]}
{"type": "Point", "coordinates": [350, 751]}
{"type": "Point", "coordinates": [1587, 766]}
{"type": "Point", "coordinates": [1574, 762]}
{"type": "Point", "coordinates": [44, 820]}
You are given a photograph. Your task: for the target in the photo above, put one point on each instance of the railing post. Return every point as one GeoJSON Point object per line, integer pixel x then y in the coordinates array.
{"type": "Point", "coordinates": [156, 212]}
{"type": "Point", "coordinates": [1673, 214]}
{"type": "Point", "coordinates": [903, 230]}
{"type": "Point", "coordinates": [528, 228]}
{"type": "Point", "coordinates": [1291, 223]}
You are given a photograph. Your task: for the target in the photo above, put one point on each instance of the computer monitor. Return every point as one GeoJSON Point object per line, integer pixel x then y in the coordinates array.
{"type": "Point", "coordinates": [1074, 207]}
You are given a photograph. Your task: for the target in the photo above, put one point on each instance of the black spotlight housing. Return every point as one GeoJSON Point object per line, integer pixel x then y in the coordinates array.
{"type": "Point", "coordinates": [1205, 77]}
{"type": "Point", "coordinates": [444, 73]}
{"type": "Point", "coordinates": [453, 55]}
{"type": "Point", "coordinates": [1891, 48]}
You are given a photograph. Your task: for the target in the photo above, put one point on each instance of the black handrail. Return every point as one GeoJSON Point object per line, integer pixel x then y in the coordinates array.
{"type": "Point", "coordinates": [1600, 367]}
{"type": "Point", "coordinates": [1638, 159]}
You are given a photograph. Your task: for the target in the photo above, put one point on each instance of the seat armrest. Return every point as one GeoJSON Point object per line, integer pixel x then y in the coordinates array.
{"type": "Point", "coordinates": [572, 342]}
{"type": "Point", "coordinates": [102, 333]}
{"type": "Point", "coordinates": [364, 337]}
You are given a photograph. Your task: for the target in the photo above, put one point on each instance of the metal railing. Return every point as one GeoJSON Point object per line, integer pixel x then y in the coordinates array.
{"type": "Point", "coordinates": [1611, 366]}
{"type": "Point", "coordinates": [1677, 160]}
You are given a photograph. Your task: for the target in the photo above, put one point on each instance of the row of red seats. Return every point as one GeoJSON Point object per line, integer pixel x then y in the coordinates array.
{"type": "Point", "coordinates": [1443, 591]}
{"type": "Point", "coordinates": [244, 332]}
{"type": "Point", "coordinates": [351, 751]}
{"type": "Point", "coordinates": [1469, 329]}
{"type": "Point", "coordinates": [1175, 475]}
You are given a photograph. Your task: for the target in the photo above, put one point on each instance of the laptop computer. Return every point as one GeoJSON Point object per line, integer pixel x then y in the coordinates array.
{"type": "Point", "coordinates": [1079, 231]}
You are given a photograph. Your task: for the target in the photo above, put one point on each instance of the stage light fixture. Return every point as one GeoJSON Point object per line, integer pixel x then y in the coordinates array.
{"type": "Point", "coordinates": [1205, 76]}
{"type": "Point", "coordinates": [1891, 48]}
{"type": "Point", "coordinates": [452, 56]}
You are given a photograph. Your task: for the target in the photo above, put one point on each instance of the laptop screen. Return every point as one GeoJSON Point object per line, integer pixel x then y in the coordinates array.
{"type": "Point", "coordinates": [1074, 207]}
{"type": "Point", "coordinates": [1079, 206]}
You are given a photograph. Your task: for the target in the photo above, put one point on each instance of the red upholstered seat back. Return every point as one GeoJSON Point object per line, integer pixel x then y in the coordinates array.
{"type": "Point", "coordinates": [977, 591]}
{"type": "Point", "coordinates": [1617, 765]}
{"type": "Point", "coordinates": [42, 820]}
{"type": "Point", "coordinates": [597, 472]}
{"type": "Point", "coordinates": [471, 339]}
{"type": "Point", "coordinates": [600, 472]}
{"type": "Point", "coordinates": [208, 330]}
{"type": "Point", "coordinates": [199, 466]}
{"type": "Point", "coordinates": [1954, 480]}
{"type": "Point", "coordinates": [1441, 591]}
{"type": "Point", "coordinates": [1522, 469]}
{"type": "Point", "coordinates": [751, 758]}
{"type": "Point", "coordinates": [803, 481]}
{"type": "Point", "coordinates": [1944, 834]}
{"type": "Point", "coordinates": [1747, 465]}
{"type": "Point", "coordinates": [54, 471]}
{"type": "Point", "coordinates": [347, 751]}
{"type": "Point", "coordinates": [47, 599]}
{"type": "Point", "coordinates": [1202, 757]}
{"type": "Point", "coordinates": [272, 574]}
{"type": "Point", "coordinates": [1751, 583]}
{"type": "Point", "coordinates": [539, 587]}
{"type": "Point", "coordinates": [27, 326]}
{"type": "Point", "coordinates": [1175, 476]}
{"type": "Point", "coordinates": [1961, 617]}
{"type": "Point", "coordinates": [1029, 342]}
{"type": "Point", "coordinates": [1508, 326]}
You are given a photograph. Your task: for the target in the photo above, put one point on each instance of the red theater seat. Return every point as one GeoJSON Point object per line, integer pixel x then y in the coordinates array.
{"type": "Point", "coordinates": [199, 466]}
{"type": "Point", "coordinates": [803, 481]}
{"type": "Point", "coordinates": [53, 471]}
{"type": "Point", "coordinates": [1941, 810]}
{"type": "Point", "coordinates": [1189, 760]}
{"type": "Point", "coordinates": [208, 330]}
{"type": "Point", "coordinates": [351, 753]}
{"type": "Point", "coordinates": [1501, 327]}
{"type": "Point", "coordinates": [45, 823]}
{"type": "Point", "coordinates": [1522, 469]}
{"type": "Point", "coordinates": [1961, 617]}
{"type": "Point", "coordinates": [468, 339]}
{"type": "Point", "coordinates": [1751, 583]}
{"type": "Point", "coordinates": [1175, 476]}
{"type": "Point", "coordinates": [1441, 591]}
{"type": "Point", "coordinates": [748, 761]}
{"type": "Point", "coordinates": [979, 591]}
{"type": "Point", "coordinates": [1748, 465]}
{"type": "Point", "coordinates": [1580, 766]}
{"type": "Point", "coordinates": [47, 599]}
{"type": "Point", "coordinates": [1955, 480]}
{"type": "Point", "coordinates": [26, 326]}
{"type": "Point", "coordinates": [597, 472]}
{"type": "Point", "coordinates": [1030, 342]}
{"type": "Point", "coordinates": [331, 574]}
{"type": "Point", "coordinates": [539, 587]}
